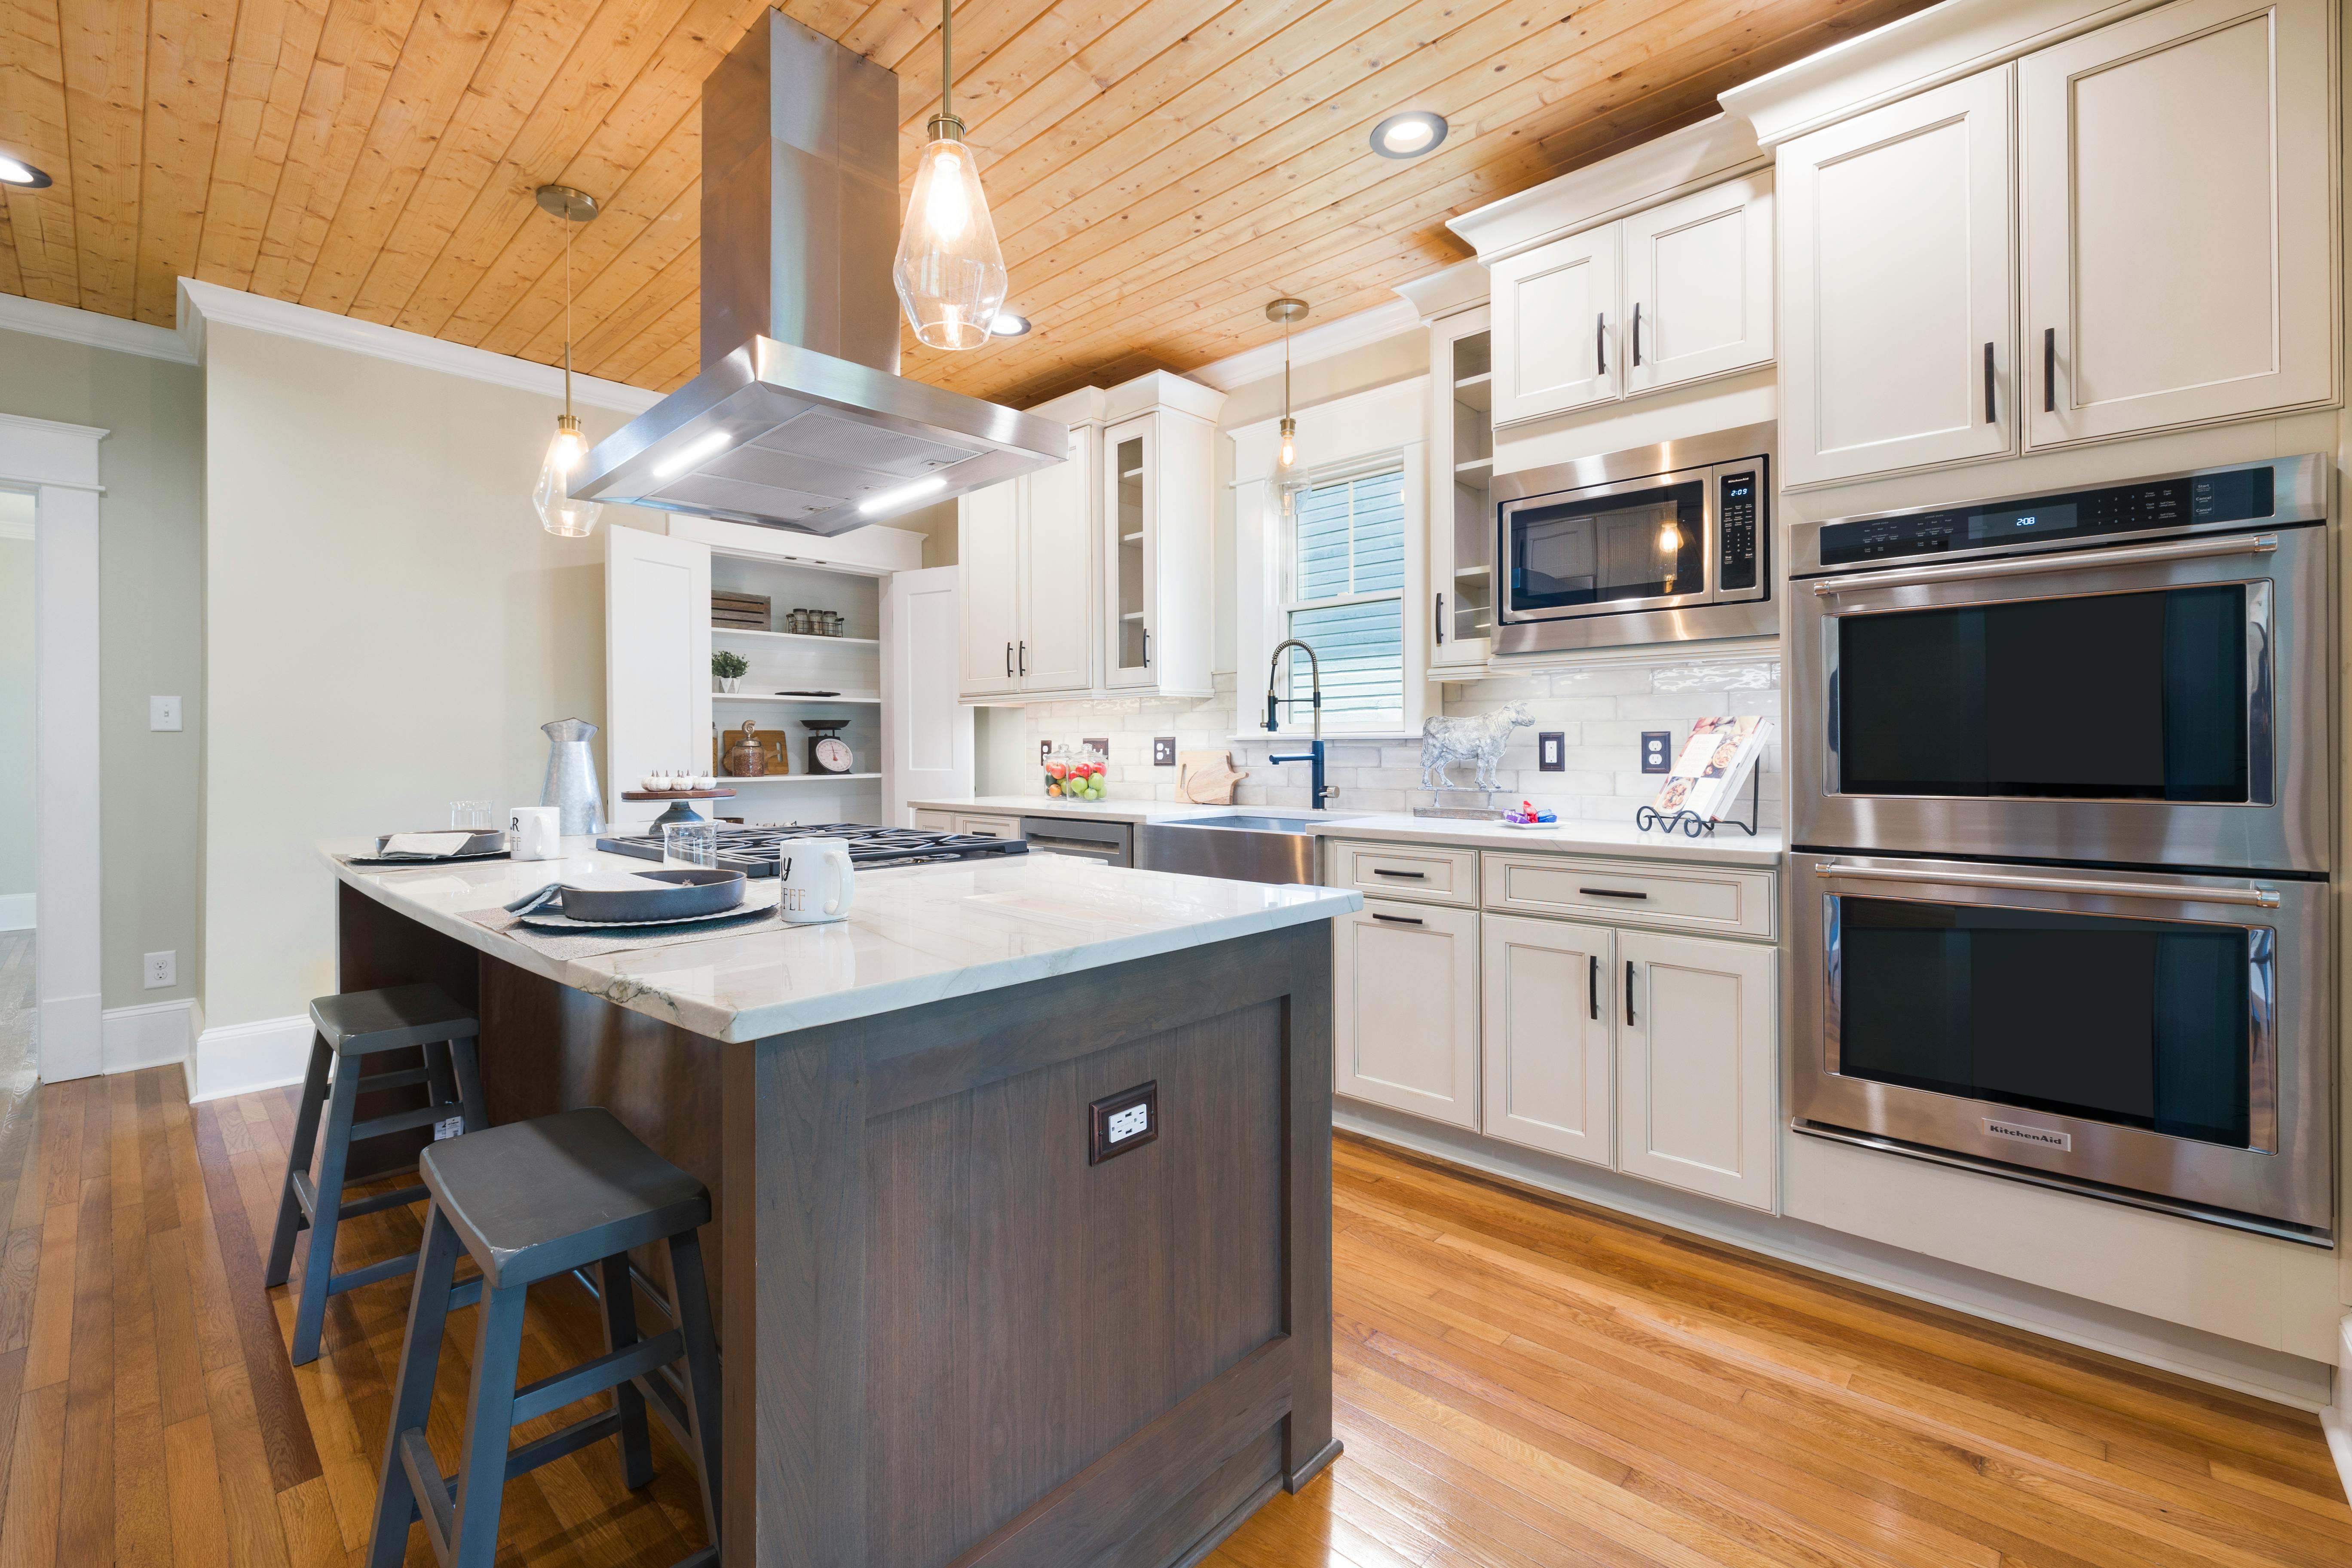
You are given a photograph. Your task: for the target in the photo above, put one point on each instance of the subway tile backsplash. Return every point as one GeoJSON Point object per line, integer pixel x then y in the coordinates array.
{"type": "Point", "coordinates": [1601, 710]}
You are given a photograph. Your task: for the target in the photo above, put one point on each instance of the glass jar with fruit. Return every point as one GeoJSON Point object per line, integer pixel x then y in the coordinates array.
{"type": "Point", "coordinates": [1073, 775]}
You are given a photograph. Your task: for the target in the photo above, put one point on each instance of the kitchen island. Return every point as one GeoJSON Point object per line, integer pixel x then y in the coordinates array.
{"type": "Point", "coordinates": [948, 1336]}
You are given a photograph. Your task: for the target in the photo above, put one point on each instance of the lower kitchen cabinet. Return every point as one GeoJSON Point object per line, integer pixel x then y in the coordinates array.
{"type": "Point", "coordinates": [1405, 1009]}
{"type": "Point", "coordinates": [1545, 1043]}
{"type": "Point", "coordinates": [1697, 1088]}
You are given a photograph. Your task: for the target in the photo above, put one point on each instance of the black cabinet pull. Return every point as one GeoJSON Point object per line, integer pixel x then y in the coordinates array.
{"type": "Point", "coordinates": [1437, 620]}
{"type": "Point", "coordinates": [1025, 658]}
{"type": "Point", "coordinates": [1008, 661]}
{"type": "Point", "coordinates": [1417, 875]}
{"type": "Point", "coordinates": [1398, 919]}
{"type": "Point", "coordinates": [2049, 370]}
{"type": "Point", "coordinates": [1629, 992]}
{"type": "Point", "coordinates": [1601, 342]}
{"type": "Point", "coordinates": [1147, 647]}
{"type": "Point", "coordinates": [1592, 987]}
{"type": "Point", "coordinates": [1637, 331]}
{"type": "Point", "coordinates": [1611, 893]}
{"type": "Point", "coordinates": [1990, 416]}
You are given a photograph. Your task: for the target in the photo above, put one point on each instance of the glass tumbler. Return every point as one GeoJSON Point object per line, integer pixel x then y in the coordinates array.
{"type": "Point", "coordinates": [469, 814]}
{"type": "Point", "coordinates": [690, 844]}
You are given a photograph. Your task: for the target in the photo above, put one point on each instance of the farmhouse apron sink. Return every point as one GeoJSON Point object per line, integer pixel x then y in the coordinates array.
{"type": "Point", "coordinates": [1276, 850]}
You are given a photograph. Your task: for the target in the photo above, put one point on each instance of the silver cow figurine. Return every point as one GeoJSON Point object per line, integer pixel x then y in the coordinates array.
{"type": "Point", "coordinates": [1481, 740]}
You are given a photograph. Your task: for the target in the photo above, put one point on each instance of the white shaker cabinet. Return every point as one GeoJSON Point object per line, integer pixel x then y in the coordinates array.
{"type": "Point", "coordinates": [1699, 285]}
{"type": "Point", "coordinates": [1697, 1088]}
{"type": "Point", "coordinates": [1545, 1037]}
{"type": "Point", "coordinates": [2176, 209]}
{"type": "Point", "coordinates": [1898, 302]}
{"type": "Point", "coordinates": [1157, 521]}
{"type": "Point", "coordinates": [988, 555]}
{"type": "Point", "coordinates": [1405, 1009]}
{"type": "Point", "coordinates": [1557, 325]}
{"type": "Point", "coordinates": [1055, 650]}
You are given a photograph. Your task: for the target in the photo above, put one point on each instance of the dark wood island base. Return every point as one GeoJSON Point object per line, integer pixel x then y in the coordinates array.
{"type": "Point", "coordinates": [947, 1337]}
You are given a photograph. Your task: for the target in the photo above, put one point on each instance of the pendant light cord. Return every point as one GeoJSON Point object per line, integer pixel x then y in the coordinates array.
{"type": "Point", "coordinates": [947, 59]}
{"type": "Point", "coordinates": [567, 314]}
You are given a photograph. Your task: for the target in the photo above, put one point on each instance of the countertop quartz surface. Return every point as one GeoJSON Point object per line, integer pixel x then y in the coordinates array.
{"type": "Point", "coordinates": [913, 934]}
{"type": "Point", "coordinates": [1727, 846]}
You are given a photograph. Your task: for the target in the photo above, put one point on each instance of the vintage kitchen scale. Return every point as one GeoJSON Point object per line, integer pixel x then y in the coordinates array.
{"type": "Point", "coordinates": [827, 751]}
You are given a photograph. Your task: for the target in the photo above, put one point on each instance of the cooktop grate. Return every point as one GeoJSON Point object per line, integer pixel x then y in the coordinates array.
{"type": "Point", "coordinates": [754, 851]}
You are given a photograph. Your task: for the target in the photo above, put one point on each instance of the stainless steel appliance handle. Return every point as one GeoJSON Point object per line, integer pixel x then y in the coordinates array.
{"type": "Point", "coordinates": [2170, 893]}
{"type": "Point", "coordinates": [2061, 561]}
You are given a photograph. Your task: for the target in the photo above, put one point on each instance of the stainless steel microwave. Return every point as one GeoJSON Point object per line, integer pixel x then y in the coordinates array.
{"type": "Point", "coordinates": [2140, 674]}
{"type": "Point", "coordinates": [1663, 544]}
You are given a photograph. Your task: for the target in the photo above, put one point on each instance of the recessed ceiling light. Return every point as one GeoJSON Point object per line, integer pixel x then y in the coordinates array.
{"type": "Point", "coordinates": [1007, 325]}
{"type": "Point", "coordinates": [1410, 134]}
{"type": "Point", "coordinates": [13, 173]}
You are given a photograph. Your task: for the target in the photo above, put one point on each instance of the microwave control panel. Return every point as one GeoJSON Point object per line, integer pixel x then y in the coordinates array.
{"type": "Point", "coordinates": [2243, 495]}
{"type": "Point", "coordinates": [1737, 496]}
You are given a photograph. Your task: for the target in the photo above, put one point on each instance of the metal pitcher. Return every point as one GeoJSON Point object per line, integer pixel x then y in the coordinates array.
{"type": "Point", "coordinates": [572, 777]}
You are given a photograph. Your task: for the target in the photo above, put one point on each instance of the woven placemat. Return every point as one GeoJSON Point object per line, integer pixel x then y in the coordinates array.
{"type": "Point", "coordinates": [379, 863]}
{"type": "Point", "coordinates": [758, 913]}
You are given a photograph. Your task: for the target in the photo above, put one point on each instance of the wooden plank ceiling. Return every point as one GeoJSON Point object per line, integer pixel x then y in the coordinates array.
{"type": "Point", "coordinates": [1157, 169]}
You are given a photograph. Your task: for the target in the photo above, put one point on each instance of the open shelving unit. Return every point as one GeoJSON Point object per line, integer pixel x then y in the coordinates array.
{"type": "Point", "coordinates": [851, 664]}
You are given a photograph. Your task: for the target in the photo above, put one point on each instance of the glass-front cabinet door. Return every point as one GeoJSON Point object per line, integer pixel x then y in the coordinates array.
{"type": "Point", "coordinates": [1130, 478]}
{"type": "Point", "coordinates": [1461, 510]}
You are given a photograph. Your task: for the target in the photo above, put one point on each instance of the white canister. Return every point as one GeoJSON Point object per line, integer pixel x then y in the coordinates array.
{"type": "Point", "coordinates": [815, 880]}
{"type": "Point", "coordinates": [536, 832]}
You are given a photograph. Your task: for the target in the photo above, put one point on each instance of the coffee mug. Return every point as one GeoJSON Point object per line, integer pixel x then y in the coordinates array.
{"type": "Point", "coordinates": [537, 832]}
{"type": "Point", "coordinates": [815, 881]}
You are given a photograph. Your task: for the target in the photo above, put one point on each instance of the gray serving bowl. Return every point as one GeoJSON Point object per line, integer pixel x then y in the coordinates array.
{"type": "Point", "coordinates": [695, 890]}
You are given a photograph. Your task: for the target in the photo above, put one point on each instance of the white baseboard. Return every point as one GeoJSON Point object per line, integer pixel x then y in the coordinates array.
{"type": "Point", "coordinates": [16, 911]}
{"type": "Point", "coordinates": [239, 1058]}
{"type": "Point", "coordinates": [2131, 1336]}
{"type": "Point", "coordinates": [70, 1031]}
{"type": "Point", "coordinates": [2337, 1419]}
{"type": "Point", "coordinates": [155, 1035]}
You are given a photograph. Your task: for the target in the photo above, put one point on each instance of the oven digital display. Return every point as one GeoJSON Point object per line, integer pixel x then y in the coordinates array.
{"type": "Point", "coordinates": [2019, 523]}
{"type": "Point", "coordinates": [2240, 495]}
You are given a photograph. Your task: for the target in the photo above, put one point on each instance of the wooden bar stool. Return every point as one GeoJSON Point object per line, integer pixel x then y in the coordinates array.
{"type": "Point", "coordinates": [532, 1200]}
{"type": "Point", "coordinates": [348, 1029]}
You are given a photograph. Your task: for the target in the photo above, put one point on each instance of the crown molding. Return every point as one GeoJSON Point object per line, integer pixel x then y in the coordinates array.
{"type": "Point", "coordinates": [202, 302]}
{"type": "Point", "coordinates": [1389, 319]}
{"type": "Point", "coordinates": [1448, 291]}
{"type": "Point", "coordinates": [1716, 149]}
{"type": "Point", "coordinates": [1923, 50]}
{"type": "Point", "coordinates": [38, 317]}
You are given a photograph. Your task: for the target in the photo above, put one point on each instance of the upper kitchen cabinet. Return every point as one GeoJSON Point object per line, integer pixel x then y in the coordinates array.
{"type": "Point", "coordinates": [2176, 214]}
{"type": "Point", "coordinates": [1898, 302]}
{"type": "Point", "coordinates": [1644, 271]}
{"type": "Point", "coordinates": [1026, 553]}
{"type": "Point", "coordinates": [1699, 285]}
{"type": "Point", "coordinates": [1453, 303]}
{"type": "Point", "coordinates": [1157, 517]}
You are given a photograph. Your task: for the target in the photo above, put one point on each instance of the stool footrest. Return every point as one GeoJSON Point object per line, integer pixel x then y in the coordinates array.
{"type": "Point", "coordinates": [353, 1280]}
{"type": "Point", "coordinates": [401, 1120]}
{"type": "Point", "coordinates": [561, 1441]}
{"type": "Point", "coordinates": [607, 1371]}
{"type": "Point", "coordinates": [396, 1198]}
{"type": "Point", "coordinates": [400, 1079]}
{"type": "Point", "coordinates": [435, 1509]}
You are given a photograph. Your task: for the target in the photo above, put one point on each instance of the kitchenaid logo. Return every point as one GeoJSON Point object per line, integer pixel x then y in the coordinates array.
{"type": "Point", "coordinates": [2042, 1135]}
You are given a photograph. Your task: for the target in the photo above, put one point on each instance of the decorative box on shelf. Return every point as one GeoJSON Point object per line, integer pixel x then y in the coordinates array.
{"type": "Point", "coordinates": [739, 612]}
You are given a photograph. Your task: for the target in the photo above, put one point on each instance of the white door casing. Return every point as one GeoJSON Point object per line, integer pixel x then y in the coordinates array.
{"type": "Point", "coordinates": [656, 662]}
{"type": "Point", "coordinates": [1545, 1034]}
{"type": "Point", "coordinates": [926, 732]}
{"type": "Point", "coordinates": [1405, 1009]}
{"type": "Point", "coordinates": [2177, 200]}
{"type": "Point", "coordinates": [58, 464]}
{"type": "Point", "coordinates": [1897, 280]}
{"type": "Point", "coordinates": [1697, 1081]}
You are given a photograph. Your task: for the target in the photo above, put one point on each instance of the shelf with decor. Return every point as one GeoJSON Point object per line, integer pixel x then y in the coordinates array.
{"type": "Point", "coordinates": [868, 698]}
{"type": "Point", "coordinates": [732, 780]}
{"type": "Point", "coordinates": [748, 634]}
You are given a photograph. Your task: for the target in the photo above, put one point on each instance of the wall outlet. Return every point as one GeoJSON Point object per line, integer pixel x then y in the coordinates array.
{"type": "Point", "coordinates": [1551, 750]}
{"type": "Point", "coordinates": [1657, 751]}
{"type": "Point", "coordinates": [1163, 751]}
{"type": "Point", "coordinates": [163, 714]}
{"type": "Point", "coordinates": [162, 969]}
{"type": "Point", "coordinates": [1117, 1122]}
{"type": "Point", "coordinates": [449, 1127]}
{"type": "Point", "coordinates": [1044, 750]}
{"type": "Point", "coordinates": [1101, 744]}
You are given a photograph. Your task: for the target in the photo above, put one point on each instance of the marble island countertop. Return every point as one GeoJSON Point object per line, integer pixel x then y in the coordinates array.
{"type": "Point", "coordinates": [915, 935]}
{"type": "Point", "coordinates": [1726, 846]}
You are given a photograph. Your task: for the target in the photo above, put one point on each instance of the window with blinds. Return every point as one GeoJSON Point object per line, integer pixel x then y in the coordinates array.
{"type": "Point", "coordinates": [1346, 600]}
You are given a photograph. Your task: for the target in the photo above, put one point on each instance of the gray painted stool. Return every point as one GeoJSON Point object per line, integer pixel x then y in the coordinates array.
{"type": "Point", "coordinates": [532, 1200]}
{"type": "Point", "coordinates": [347, 1029]}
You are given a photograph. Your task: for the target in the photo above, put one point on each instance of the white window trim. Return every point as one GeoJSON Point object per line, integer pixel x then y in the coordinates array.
{"type": "Point", "coordinates": [1294, 722]}
{"type": "Point", "coordinates": [1362, 432]}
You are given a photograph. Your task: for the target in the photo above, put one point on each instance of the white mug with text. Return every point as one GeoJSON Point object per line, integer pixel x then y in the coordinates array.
{"type": "Point", "coordinates": [537, 832]}
{"type": "Point", "coordinates": [815, 880]}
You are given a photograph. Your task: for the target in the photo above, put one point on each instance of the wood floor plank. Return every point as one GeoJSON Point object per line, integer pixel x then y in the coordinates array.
{"type": "Point", "coordinates": [199, 1534]}
{"type": "Point", "coordinates": [28, 1523]}
{"type": "Point", "coordinates": [86, 1505]}
{"type": "Point", "coordinates": [51, 1339]}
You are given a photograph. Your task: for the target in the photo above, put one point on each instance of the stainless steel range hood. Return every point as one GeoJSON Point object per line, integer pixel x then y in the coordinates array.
{"type": "Point", "coordinates": [799, 419]}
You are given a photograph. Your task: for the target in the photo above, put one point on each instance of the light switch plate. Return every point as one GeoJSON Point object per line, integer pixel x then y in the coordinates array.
{"type": "Point", "coordinates": [163, 714]}
{"type": "Point", "coordinates": [1163, 751]}
{"type": "Point", "coordinates": [1551, 750]}
{"type": "Point", "coordinates": [161, 969]}
{"type": "Point", "coordinates": [1657, 751]}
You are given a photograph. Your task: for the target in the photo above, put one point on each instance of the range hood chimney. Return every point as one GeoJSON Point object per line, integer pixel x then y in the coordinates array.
{"type": "Point", "coordinates": [799, 419]}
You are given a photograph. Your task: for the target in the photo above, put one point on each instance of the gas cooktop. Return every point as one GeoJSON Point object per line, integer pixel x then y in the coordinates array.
{"type": "Point", "coordinates": [754, 851]}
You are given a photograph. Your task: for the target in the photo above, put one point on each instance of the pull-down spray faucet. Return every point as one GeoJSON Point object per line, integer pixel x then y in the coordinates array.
{"type": "Point", "coordinates": [1316, 793]}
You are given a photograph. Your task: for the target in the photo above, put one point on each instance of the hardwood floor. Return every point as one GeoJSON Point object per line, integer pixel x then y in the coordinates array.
{"type": "Point", "coordinates": [1521, 1383]}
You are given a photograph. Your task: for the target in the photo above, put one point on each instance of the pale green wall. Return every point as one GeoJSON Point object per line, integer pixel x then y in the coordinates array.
{"type": "Point", "coordinates": [16, 694]}
{"type": "Point", "coordinates": [150, 529]}
{"type": "Point", "coordinates": [387, 627]}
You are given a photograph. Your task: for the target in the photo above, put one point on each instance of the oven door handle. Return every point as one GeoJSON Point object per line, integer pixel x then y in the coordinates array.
{"type": "Point", "coordinates": [2170, 893]}
{"type": "Point", "coordinates": [2062, 561]}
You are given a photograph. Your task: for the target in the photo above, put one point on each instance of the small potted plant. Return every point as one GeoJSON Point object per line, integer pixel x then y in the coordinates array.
{"type": "Point", "coordinates": [729, 667]}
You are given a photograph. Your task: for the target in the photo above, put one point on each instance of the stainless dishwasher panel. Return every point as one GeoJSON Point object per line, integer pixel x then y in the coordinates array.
{"type": "Point", "coordinates": [1112, 843]}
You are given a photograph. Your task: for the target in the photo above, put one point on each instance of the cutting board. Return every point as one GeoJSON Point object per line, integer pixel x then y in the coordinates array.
{"type": "Point", "coordinates": [1206, 777]}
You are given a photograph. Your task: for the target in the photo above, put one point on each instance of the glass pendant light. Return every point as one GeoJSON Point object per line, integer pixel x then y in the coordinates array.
{"type": "Point", "coordinates": [949, 273]}
{"type": "Point", "coordinates": [1288, 479]}
{"type": "Point", "coordinates": [558, 512]}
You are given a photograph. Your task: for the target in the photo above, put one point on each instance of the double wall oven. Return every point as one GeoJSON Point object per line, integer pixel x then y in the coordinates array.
{"type": "Point", "coordinates": [2062, 785]}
